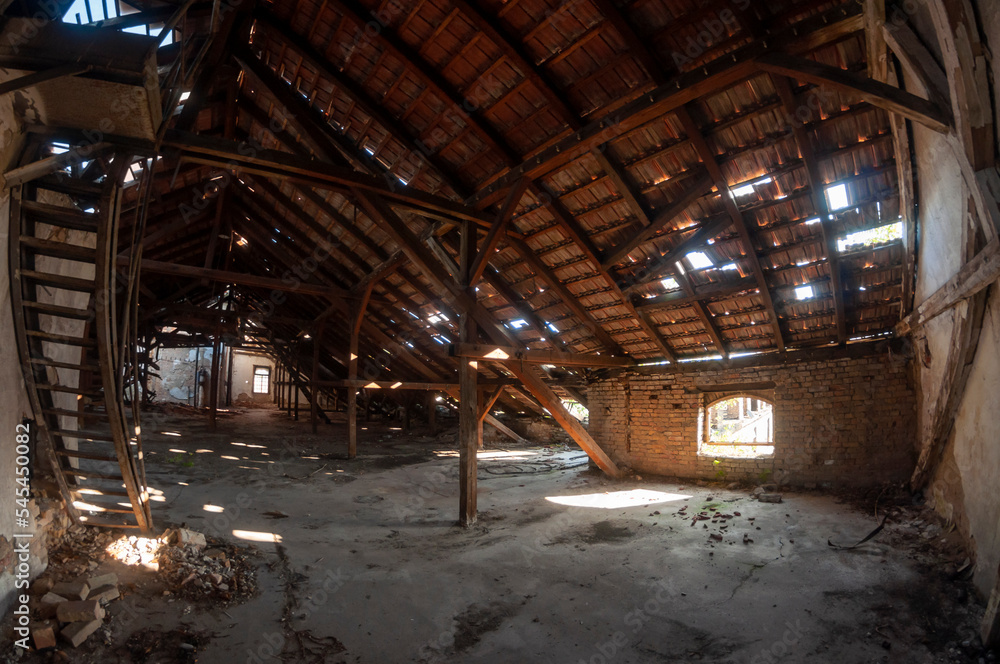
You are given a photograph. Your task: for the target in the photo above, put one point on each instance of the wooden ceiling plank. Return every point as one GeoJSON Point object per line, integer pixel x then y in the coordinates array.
{"type": "Point", "coordinates": [802, 138]}
{"type": "Point", "coordinates": [710, 161]}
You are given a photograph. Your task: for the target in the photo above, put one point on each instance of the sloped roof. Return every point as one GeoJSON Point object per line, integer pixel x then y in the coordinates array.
{"type": "Point", "coordinates": [637, 131]}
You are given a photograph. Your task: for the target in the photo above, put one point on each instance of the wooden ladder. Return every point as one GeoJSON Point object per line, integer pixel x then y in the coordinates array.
{"type": "Point", "coordinates": [75, 340]}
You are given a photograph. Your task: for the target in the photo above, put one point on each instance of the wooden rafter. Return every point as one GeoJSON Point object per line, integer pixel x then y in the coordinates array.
{"type": "Point", "coordinates": [818, 188]}
{"type": "Point", "coordinates": [710, 161]}
{"type": "Point", "coordinates": [803, 36]}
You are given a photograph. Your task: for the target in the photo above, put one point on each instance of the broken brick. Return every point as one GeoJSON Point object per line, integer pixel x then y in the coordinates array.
{"type": "Point", "coordinates": [76, 633]}
{"type": "Point", "coordinates": [83, 611]}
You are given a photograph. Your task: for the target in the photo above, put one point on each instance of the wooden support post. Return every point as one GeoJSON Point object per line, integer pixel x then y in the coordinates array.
{"type": "Point", "coordinates": [431, 405]}
{"type": "Point", "coordinates": [313, 389]}
{"type": "Point", "coordinates": [407, 407]}
{"type": "Point", "coordinates": [991, 621]}
{"type": "Point", "coordinates": [469, 425]}
{"type": "Point", "coordinates": [229, 377]}
{"type": "Point", "coordinates": [296, 391]}
{"type": "Point", "coordinates": [213, 383]}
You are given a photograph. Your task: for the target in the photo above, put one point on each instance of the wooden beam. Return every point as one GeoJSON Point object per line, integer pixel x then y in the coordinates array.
{"type": "Point", "coordinates": [357, 316]}
{"type": "Point", "coordinates": [710, 160]}
{"type": "Point", "coordinates": [663, 266]}
{"type": "Point", "coordinates": [29, 80]}
{"type": "Point", "coordinates": [358, 93]}
{"type": "Point", "coordinates": [386, 36]}
{"type": "Point", "coordinates": [470, 427]}
{"type": "Point", "coordinates": [506, 354]}
{"type": "Point", "coordinates": [632, 197]}
{"type": "Point", "coordinates": [637, 236]}
{"type": "Point", "coordinates": [905, 177]}
{"type": "Point", "coordinates": [916, 60]}
{"type": "Point", "coordinates": [213, 381]}
{"type": "Point", "coordinates": [547, 398]}
{"type": "Point", "coordinates": [238, 278]}
{"type": "Point", "coordinates": [802, 139]}
{"type": "Point", "coordinates": [680, 298]}
{"type": "Point", "coordinates": [976, 275]}
{"type": "Point", "coordinates": [497, 230]}
{"type": "Point", "coordinates": [486, 401]}
{"type": "Point", "coordinates": [571, 228]}
{"type": "Point", "coordinates": [966, 332]}
{"type": "Point", "coordinates": [876, 93]}
{"type": "Point", "coordinates": [568, 298]}
{"type": "Point", "coordinates": [386, 218]}
{"type": "Point", "coordinates": [990, 631]}
{"type": "Point", "coordinates": [516, 55]}
{"type": "Point", "coordinates": [878, 58]}
{"type": "Point", "coordinates": [702, 313]}
{"type": "Point", "coordinates": [198, 148]}
{"type": "Point", "coordinates": [803, 36]}
{"type": "Point", "coordinates": [300, 114]}
{"type": "Point", "coordinates": [317, 340]}
{"type": "Point", "coordinates": [403, 385]}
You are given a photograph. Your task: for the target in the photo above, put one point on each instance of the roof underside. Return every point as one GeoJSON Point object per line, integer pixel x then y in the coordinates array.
{"type": "Point", "coordinates": [631, 133]}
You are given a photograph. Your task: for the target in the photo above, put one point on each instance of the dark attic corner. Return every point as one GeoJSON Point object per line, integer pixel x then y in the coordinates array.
{"type": "Point", "coordinates": [576, 331]}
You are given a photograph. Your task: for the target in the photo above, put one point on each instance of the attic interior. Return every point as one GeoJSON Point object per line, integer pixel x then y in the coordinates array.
{"type": "Point", "coordinates": [432, 330]}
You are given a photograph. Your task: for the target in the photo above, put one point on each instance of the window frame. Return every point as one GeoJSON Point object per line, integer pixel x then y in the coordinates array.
{"type": "Point", "coordinates": [266, 375]}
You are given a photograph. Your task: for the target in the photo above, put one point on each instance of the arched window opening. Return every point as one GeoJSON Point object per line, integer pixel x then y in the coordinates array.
{"type": "Point", "coordinates": [739, 426]}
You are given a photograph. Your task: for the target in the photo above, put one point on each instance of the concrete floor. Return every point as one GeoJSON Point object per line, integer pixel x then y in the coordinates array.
{"type": "Point", "coordinates": [563, 566]}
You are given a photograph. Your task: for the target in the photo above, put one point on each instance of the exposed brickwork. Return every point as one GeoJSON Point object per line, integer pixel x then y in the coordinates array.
{"type": "Point", "coordinates": [837, 422]}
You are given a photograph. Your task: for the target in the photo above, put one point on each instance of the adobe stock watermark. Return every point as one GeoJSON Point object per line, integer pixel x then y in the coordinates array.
{"type": "Point", "coordinates": [634, 622]}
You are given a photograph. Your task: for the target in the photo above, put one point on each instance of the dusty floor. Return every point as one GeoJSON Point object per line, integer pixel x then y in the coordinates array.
{"type": "Point", "coordinates": [361, 561]}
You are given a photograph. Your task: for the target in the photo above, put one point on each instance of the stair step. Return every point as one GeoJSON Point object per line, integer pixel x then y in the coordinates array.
{"type": "Point", "coordinates": [83, 435]}
{"type": "Point", "coordinates": [117, 509]}
{"type": "Point", "coordinates": [58, 310]}
{"type": "Point", "coordinates": [59, 281]}
{"type": "Point", "coordinates": [57, 215]}
{"type": "Point", "coordinates": [73, 413]}
{"type": "Point", "coordinates": [46, 362]}
{"type": "Point", "coordinates": [62, 339]}
{"type": "Point", "coordinates": [91, 476]}
{"type": "Point", "coordinates": [86, 455]}
{"type": "Point", "coordinates": [69, 389]}
{"type": "Point", "coordinates": [107, 524]}
{"type": "Point", "coordinates": [108, 492]}
{"type": "Point", "coordinates": [72, 252]}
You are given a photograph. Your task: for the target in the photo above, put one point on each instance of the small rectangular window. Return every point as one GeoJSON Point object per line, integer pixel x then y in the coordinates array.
{"type": "Point", "coordinates": [261, 380]}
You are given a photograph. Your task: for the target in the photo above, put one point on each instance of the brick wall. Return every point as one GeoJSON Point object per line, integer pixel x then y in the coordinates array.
{"type": "Point", "coordinates": [837, 422]}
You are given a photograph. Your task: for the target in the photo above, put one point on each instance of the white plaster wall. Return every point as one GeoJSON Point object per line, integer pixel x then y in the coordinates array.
{"type": "Point", "coordinates": [243, 364]}
{"type": "Point", "coordinates": [966, 484]}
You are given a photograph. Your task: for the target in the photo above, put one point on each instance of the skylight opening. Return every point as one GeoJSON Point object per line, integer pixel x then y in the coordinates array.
{"type": "Point", "coordinates": [836, 197]}
{"type": "Point", "coordinates": [60, 148]}
{"type": "Point", "coordinates": [670, 283]}
{"type": "Point", "coordinates": [518, 323]}
{"type": "Point", "coordinates": [814, 220]}
{"type": "Point", "coordinates": [745, 190]}
{"type": "Point", "coordinates": [871, 237]}
{"type": "Point", "coordinates": [552, 327]}
{"type": "Point", "coordinates": [729, 266]}
{"type": "Point", "coordinates": [803, 292]}
{"type": "Point", "coordinates": [699, 260]}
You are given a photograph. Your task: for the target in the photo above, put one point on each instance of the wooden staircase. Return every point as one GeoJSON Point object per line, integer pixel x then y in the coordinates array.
{"type": "Point", "coordinates": [74, 319]}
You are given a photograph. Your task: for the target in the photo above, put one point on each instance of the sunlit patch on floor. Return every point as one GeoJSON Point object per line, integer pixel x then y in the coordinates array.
{"type": "Point", "coordinates": [618, 499]}
{"type": "Point", "coordinates": [257, 536]}
{"type": "Point", "coordinates": [134, 550]}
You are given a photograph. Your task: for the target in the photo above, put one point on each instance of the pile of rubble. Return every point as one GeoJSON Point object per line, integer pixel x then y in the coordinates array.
{"type": "Point", "coordinates": [70, 601]}
{"type": "Point", "coordinates": [73, 609]}
{"type": "Point", "coordinates": [196, 571]}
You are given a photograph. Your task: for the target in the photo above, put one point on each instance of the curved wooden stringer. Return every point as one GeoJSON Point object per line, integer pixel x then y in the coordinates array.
{"type": "Point", "coordinates": [75, 323]}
